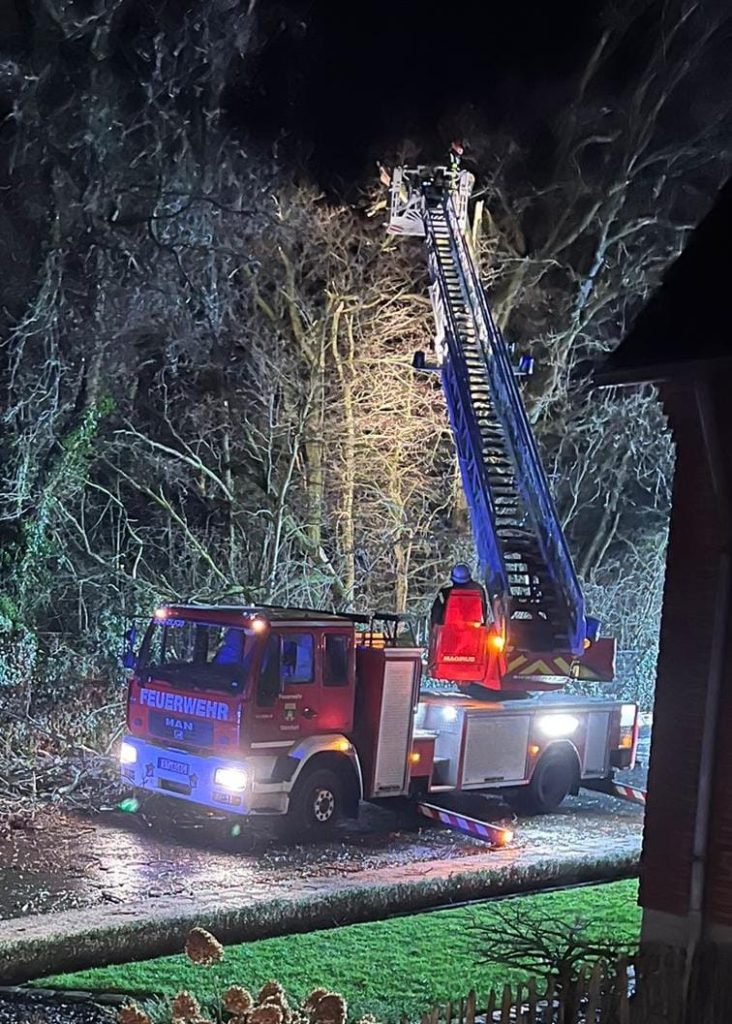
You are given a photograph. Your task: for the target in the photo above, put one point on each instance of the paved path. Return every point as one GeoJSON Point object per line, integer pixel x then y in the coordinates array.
{"type": "Point", "coordinates": [69, 861]}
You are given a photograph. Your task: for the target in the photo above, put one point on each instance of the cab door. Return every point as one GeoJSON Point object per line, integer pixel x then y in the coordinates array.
{"type": "Point", "coordinates": [337, 675]}
{"type": "Point", "coordinates": [287, 692]}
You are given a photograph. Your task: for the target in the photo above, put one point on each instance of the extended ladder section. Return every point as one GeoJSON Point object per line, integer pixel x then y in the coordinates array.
{"type": "Point", "coordinates": [527, 568]}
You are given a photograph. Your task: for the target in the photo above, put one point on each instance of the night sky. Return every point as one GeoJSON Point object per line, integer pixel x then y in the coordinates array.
{"type": "Point", "coordinates": [335, 85]}
{"type": "Point", "coordinates": [341, 85]}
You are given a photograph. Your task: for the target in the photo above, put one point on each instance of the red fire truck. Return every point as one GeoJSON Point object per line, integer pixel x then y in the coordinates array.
{"type": "Point", "coordinates": [274, 711]}
{"type": "Point", "coordinates": [269, 711]}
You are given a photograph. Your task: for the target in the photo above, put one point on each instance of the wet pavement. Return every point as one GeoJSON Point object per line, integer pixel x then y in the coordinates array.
{"type": "Point", "coordinates": [64, 860]}
{"type": "Point", "coordinates": [68, 860]}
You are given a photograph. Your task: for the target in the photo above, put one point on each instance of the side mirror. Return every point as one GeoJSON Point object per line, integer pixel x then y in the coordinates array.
{"type": "Point", "coordinates": [129, 659]}
{"type": "Point", "coordinates": [131, 636]}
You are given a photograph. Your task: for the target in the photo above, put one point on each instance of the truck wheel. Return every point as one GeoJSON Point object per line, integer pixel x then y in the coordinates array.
{"type": "Point", "coordinates": [316, 803]}
{"type": "Point", "coordinates": [551, 782]}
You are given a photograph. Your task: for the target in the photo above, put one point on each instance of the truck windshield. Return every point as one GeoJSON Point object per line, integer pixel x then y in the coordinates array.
{"type": "Point", "coordinates": [197, 655]}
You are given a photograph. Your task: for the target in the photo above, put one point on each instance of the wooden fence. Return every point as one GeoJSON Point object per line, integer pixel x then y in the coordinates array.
{"type": "Point", "coordinates": [603, 994]}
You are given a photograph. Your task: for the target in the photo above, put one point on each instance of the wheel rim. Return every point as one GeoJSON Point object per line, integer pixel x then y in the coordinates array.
{"type": "Point", "coordinates": [323, 805]}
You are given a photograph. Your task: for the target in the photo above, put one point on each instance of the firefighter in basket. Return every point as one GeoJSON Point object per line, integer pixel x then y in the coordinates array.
{"type": "Point", "coordinates": [460, 579]}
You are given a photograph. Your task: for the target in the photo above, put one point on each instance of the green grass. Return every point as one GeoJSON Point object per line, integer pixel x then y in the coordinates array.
{"type": "Point", "coordinates": [388, 968]}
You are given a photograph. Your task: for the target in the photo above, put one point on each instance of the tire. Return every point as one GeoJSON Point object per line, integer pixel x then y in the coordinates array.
{"type": "Point", "coordinates": [553, 780]}
{"type": "Point", "coordinates": [316, 804]}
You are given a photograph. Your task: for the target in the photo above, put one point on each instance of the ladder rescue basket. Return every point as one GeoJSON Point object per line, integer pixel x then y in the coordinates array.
{"type": "Point", "coordinates": [459, 648]}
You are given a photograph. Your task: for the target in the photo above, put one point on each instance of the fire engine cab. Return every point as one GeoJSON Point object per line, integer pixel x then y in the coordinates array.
{"type": "Point", "coordinates": [264, 711]}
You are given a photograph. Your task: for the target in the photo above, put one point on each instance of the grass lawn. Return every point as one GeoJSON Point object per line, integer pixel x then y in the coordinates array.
{"type": "Point", "coordinates": [389, 968]}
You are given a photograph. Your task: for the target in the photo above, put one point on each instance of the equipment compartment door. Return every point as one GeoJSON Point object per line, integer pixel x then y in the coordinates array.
{"type": "Point", "coordinates": [495, 750]}
{"type": "Point", "coordinates": [595, 760]}
{"type": "Point", "coordinates": [394, 740]}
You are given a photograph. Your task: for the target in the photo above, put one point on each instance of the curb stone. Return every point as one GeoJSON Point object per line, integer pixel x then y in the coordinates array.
{"type": "Point", "coordinates": [64, 995]}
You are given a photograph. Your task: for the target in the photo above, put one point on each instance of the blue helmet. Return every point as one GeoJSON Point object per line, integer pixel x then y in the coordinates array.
{"type": "Point", "coordinates": [460, 573]}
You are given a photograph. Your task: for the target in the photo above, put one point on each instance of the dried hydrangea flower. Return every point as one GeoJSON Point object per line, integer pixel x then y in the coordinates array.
{"type": "Point", "coordinates": [314, 998]}
{"type": "Point", "coordinates": [278, 1000]}
{"type": "Point", "coordinates": [185, 1007]}
{"type": "Point", "coordinates": [202, 948]}
{"type": "Point", "coordinates": [269, 1013]}
{"type": "Point", "coordinates": [269, 989]}
{"type": "Point", "coordinates": [331, 1009]}
{"type": "Point", "coordinates": [237, 999]}
{"type": "Point", "coordinates": [132, 1014]}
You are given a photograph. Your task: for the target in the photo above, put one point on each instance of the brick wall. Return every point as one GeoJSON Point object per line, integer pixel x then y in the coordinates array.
{"type": "Point", "coordinates": [690, 598]}
{"type": "Point", "coordinates": [718, 888]}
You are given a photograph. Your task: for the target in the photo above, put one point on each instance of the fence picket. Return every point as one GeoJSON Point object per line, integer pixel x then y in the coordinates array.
{"type": "Point", "coordinates": [531, 999]}
{"type": "Point", "coordinates": [506, 1005]}
{"type": "Point", "coordinates": [470, 1007]}
{"type": "Point", "coordinates": [594, 992]}
{"type": "Point", "coordinates": [599, 996]}
{"type": "Point", "coordinates": [575, 995]}
{"type": "Point", "coordinates": [548, 1015]}
{"type": "Point", "coordinates": [622, 999]}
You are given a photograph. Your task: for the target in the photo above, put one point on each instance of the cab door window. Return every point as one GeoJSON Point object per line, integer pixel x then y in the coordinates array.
{"type": "Point", "coordinates": [288, 660]}
{"type": "Point", "coordinates": [298, 658]}
{"type": "Point", "coordinates": [335, 668]}
{"type": "Point", "coordinates": [268, 682]}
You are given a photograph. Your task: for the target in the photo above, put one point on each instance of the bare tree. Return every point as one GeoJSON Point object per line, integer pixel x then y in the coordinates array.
{"type": "Point", "coordinates": [206, 369]}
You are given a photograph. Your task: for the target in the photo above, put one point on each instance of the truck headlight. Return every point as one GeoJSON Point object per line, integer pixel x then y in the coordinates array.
{"type": "Point", "coordinates": [558, 725]}
{"type": "Point", "coordinates": [127, 753]}
{"type": "Point", "coordinates": [233, 779]}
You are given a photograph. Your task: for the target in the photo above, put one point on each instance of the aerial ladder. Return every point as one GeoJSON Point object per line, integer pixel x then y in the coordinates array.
{"type": "Point", "coordinates": [536, 633]}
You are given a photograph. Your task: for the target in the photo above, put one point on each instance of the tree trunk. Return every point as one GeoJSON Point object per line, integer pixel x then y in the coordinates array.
{"type": "Point", "coordinates": [345, 370]}
{"type": "Point", "coordinates": [402, 556]}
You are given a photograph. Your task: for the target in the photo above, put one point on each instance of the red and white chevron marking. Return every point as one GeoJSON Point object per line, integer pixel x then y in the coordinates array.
{"type": "Point", "coordinates": [496, 835]}
{"type": "Point", "coordinates": [637, 796]}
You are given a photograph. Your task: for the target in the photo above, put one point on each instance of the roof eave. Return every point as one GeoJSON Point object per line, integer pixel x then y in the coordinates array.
{"type": "Point", "coordinates": [659, 373]}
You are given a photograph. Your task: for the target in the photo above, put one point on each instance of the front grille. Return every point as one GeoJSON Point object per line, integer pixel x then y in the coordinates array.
{"type": "Point", "coordinates": [170, 726]}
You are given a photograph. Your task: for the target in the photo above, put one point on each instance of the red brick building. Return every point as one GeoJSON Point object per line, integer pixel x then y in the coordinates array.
{"type": "Point", "coordinates": [682, 341]}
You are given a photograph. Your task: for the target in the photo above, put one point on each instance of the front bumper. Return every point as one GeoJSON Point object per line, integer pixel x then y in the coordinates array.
{"type": "Point", "coordinates": [191, 777]}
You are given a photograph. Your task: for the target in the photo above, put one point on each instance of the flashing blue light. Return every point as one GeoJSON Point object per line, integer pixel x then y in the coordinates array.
{"type": "Point", "coordinates": [526, 365]}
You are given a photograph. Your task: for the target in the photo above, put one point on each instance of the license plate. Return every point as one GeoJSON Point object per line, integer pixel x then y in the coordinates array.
{"type": "Point", "coordinates": [227, 798]}
{"type": "Point", "coordinates": [168, 765]}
